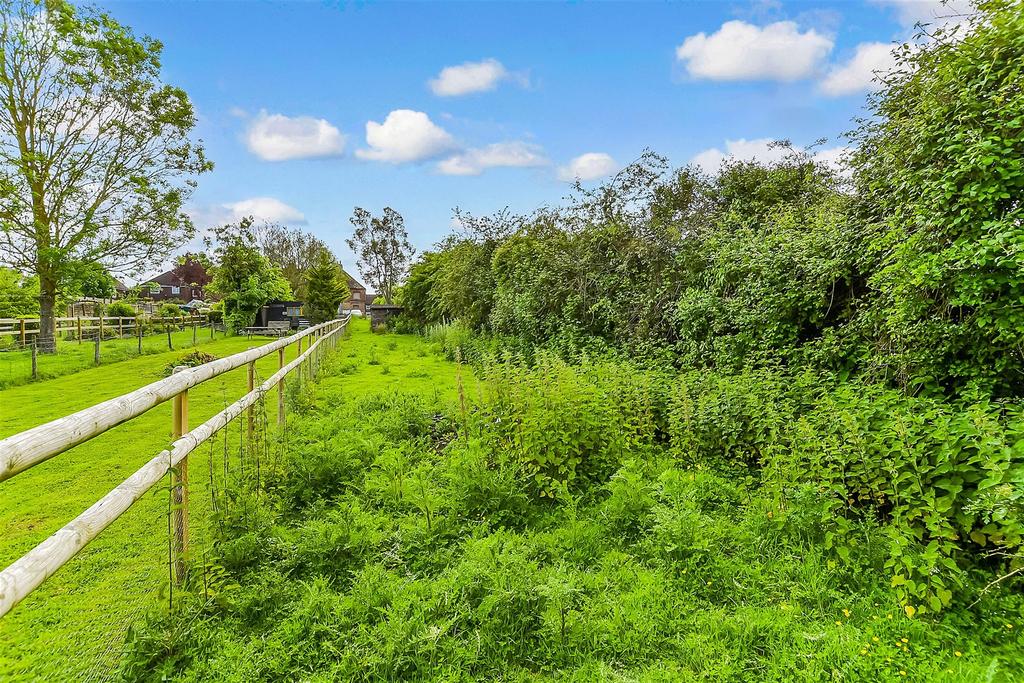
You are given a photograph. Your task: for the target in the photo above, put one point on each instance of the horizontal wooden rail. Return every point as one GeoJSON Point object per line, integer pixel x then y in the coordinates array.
{"type": "Point", "coordinates": [24, 575]}
{"type": "Point", "coordinates": [26, 449]}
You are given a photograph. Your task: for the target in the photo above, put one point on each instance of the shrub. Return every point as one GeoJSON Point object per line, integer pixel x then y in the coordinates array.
{"type": "Point", "coordinates": [169, 311]}
{"type": "Point", "coordinates": [569, 426]}
{"type": "Point", "coordinates": [191, 360]}
{"type": "Point", "coordinates": [121, 309]}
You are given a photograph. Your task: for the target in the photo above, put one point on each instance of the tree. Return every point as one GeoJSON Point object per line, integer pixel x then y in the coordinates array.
{"type": "Point", "coordinates": [243, 277]}
{"type": "Point", "coordinates": [89, 279]}
{"type": "Point", "coordinates": [292, 250]}
{"type": "Point", "coordinates": [19, 295]}
{"type": "Point", "coordinates": [95, 156]}
{"type": "Point", "coordinates": [326, 287]}
{"type": "Point", "coordinates": [383, 248]}
{"type": "Point", "coordinates": [193, 269]}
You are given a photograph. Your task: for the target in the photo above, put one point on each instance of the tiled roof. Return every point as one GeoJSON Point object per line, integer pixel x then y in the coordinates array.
{"type": "Point", "coordinates": [353, 284]}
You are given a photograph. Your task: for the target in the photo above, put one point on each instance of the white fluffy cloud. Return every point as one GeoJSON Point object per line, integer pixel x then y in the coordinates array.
{"type": "Point", "coordinates": [469, 77]}
{"type": "Point", "coordinates": [763, 150]}
{"type": "Point", "coordinates": [276, 137]}
{"type": "Point", "coordinates": [740, 51]}
{"type": "Point", "coordinates": [859, 74]}
{"type": "Point", "coordinates": [405, 136]}
{"type": "Point", "coordinates": [268, 209]}
{"type": "Point", "coordinates": [261, 208]}
{"type": "Point", "coordinates": [500, 154]}
{"type": "Point", "coordinates": [589, 166]}
{"type": "Point", "coordinates": [932, 12]}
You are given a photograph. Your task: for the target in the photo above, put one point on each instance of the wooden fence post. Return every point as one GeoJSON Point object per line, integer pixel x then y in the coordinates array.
{"type": "Point", "coordinates": [280, 389]}
{"type": "Point", "coordinates": [120, 327]}
{"type": "Point", "coordinates": [193, 331]}
{"type": "Point", "coordinates": [179, 488]}
{"type": "Point", "coordinates": [96, 351]}
{"type": "Point", "coordinates": [35, 366]}
{"type": "Point", "coordinates": [138, 330]}
{"type": "Point", "coordinates": [79, 319]}
{"type": "Point", "coordinates": [22, 321]}
{"type": "Point", "coordinates": [249, 410]}
{"type": "Point", "coordinates": [168, 326]}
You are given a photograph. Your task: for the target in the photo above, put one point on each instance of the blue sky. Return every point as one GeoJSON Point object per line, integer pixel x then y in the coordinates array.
{"type": "Point", "coordinates": [286, 92]}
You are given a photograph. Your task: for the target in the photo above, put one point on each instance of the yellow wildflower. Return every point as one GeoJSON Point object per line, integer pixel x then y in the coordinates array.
{"type": "Point", "coordinates": [846, 613]}
{"type": "Point", "coordinates": [958, 653]}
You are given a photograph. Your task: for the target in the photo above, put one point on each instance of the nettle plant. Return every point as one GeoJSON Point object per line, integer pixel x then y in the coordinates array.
{"type": "Point", "coordinates": [569, 425]}
{"type": "Point", "coordinates": [947, 480]}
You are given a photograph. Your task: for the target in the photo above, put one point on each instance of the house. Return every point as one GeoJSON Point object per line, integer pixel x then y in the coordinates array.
{"type": "Point", "coordinates": [275, 311]}
{"type": "Point", "coordinates": [356, 301]}
{"type": "Point", "coordinates": [172, 286]}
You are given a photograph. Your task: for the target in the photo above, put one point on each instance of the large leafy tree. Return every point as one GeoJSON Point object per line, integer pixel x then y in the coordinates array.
{"type": "Point", "coordinates": [243, 277]}
{"type": "Point", "coordinates": [326, 287]}
{"type": "Point", "coordinates": [292, 250]}
{"type": "Point", "coordinates": [95, 155]}
{"type": "Point", "coordinates": [383, 248]}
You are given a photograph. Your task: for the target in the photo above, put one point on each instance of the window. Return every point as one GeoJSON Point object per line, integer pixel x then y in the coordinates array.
{"type": "Point", "coordinates": [293, 311]}
{"type": "Point", "coordinates": [356, 296]}
{"type": "Point", "coordinates": [175, 289]}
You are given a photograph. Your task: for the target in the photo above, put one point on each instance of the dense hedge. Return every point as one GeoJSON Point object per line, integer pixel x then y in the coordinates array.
{"type": "Point", "coordinates": [905, 271]}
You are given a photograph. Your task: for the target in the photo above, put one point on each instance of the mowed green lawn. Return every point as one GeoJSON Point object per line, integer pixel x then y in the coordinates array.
{"type": "Point", "coordinates": [72, 356]}
{"type": "Point", "coordinates": [73, 626]}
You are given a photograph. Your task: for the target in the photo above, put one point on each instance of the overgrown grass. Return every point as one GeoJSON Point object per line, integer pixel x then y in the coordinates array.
{"type": "Point", "coordinates": [552, 523]}
{"type": "Point", "coordinates": [72, 626]}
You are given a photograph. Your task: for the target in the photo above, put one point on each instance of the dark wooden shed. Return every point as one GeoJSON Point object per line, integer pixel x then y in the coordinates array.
{"type": "Point", "coordinates": [281, 310]}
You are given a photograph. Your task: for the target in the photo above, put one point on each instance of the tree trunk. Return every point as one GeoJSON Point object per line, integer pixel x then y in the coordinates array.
{"type": "Point", "coordinates": [47, 320]}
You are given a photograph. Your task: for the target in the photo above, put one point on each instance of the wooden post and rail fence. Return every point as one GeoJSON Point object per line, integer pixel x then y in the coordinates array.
{"type": "Point", "coordinates": [24, 331]}
{"type": "Point", "coordinates": [31, 447]}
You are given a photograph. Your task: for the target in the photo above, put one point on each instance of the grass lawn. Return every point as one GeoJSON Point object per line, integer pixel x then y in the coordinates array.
{"type": "Point", "coordinates": [16, 366]}
{"type": "Point", "coordinates": [72, 627]}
